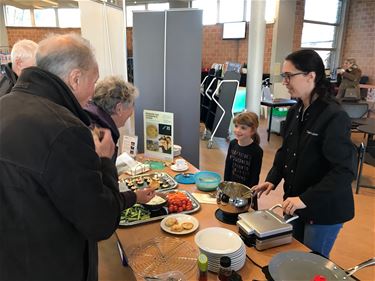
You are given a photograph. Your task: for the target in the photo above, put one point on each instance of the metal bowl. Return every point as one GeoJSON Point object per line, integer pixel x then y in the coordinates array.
{"type": "Point", "coordinates": [233, 197]}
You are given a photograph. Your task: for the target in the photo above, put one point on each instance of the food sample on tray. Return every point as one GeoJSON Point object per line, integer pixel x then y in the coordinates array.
{"type": "Point", "coordinates": [143, 213]}
{"type": "Point", "coordinates": [156, 200]}
{"type": "Point", "coordinates": [159, 181]}
{"type": "Point", "coordinates": [178, 202]}
{"type": "Point", "coordinates": [135, 213]}
{"type": "Point", "coordinates": [176, 226]}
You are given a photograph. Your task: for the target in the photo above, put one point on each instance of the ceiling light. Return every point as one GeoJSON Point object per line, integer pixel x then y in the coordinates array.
{"type": "Point", "coordinates": [50, 2]}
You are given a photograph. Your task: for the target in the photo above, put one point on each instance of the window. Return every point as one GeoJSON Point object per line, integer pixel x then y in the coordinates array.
{"type": "Point", "coordinates": [318, 36]}
{"type": "Point", "coordinates": [209, 8]}
{"type": "Point", "coordinates": [69, 17]}
{"type": "Point", "coordinates": [321, 28]}
{"type": "Point", "coordinates": [322, 10]}
{"type": "Point", "coordinates": [231, 10]}
{"type": "Point", "coordinates": [158, 7]}
{"type": "Point", "coordinates": [129, 13]}
{"type": "Point", "coordinates": [45, 17]}
{"type": "Point", "coordinates": [17, 17]}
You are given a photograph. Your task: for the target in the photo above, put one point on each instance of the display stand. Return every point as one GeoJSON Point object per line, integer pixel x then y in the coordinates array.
{"type": "Point", "coordinates": [220, 112]}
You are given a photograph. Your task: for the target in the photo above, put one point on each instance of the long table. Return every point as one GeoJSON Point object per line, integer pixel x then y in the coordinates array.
{"type": "Point", "coordinates": [133, 236]}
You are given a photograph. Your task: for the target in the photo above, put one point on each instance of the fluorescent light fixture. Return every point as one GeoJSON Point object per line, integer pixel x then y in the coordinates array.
{"type": "Point", "coordinates": [50, 2]}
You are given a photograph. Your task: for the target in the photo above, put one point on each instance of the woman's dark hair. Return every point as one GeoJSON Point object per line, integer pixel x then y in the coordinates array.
{"type": "Point", "coordinates": [310, 61]}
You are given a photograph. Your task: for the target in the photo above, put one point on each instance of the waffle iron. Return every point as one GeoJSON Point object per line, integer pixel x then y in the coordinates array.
{"type": "Point", "coordinates": [265, 229]}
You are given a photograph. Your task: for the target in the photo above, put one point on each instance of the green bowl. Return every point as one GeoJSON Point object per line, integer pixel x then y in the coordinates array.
{"type": "Point", "coordinates": [207, 181]}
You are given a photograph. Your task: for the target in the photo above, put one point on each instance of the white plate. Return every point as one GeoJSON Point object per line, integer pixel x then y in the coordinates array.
{"type": "Point", "coordinates": [218, 240]}
{"type": "Point", "coordinates": [180, 219]}
{"type": "Point", "coordinates": [235, 255]}
{"type": "Point", "coordinates": [179, 169]}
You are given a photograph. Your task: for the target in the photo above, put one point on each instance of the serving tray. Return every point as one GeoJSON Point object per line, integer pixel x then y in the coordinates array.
{"type": "Point", "coordinates": [159, 215]}
{"type": "Point", "coordinates": [167, 182]}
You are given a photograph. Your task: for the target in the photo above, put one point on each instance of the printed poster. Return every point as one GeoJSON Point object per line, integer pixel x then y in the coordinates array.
{"type": "Point", "coordinates": [158, 134]}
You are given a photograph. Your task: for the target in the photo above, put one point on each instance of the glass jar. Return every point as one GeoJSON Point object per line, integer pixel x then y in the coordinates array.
{"type": "Point", "coordinates": [225, 270]}
{"type": "Point", "coordinates": [203, 267]}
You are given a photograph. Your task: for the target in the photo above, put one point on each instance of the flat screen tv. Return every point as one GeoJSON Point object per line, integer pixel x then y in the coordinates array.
{"type": "Point", "coordinates": [234, 30]}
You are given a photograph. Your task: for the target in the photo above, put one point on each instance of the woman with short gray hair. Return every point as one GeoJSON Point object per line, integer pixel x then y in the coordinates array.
{"type": "Point", "coordinates": [112, 105]}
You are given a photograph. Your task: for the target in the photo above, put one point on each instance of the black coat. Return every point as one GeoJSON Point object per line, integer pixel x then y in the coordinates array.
{"type": "Point", "coordinates": [317, 161]}
{"type": "Point", "coordinates": [57, 197]}
{"type": "Point", "coordinates": [7, 79]}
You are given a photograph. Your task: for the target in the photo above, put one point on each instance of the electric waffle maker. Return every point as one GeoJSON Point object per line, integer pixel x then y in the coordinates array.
{"type": "Point", "coordinates": [265, 229]}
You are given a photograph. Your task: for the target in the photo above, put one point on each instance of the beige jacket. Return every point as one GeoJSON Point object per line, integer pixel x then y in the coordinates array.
{"type": "Point", "coordinates": [350, 79]}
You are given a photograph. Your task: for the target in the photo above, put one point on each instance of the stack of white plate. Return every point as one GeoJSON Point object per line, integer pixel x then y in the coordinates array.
{"type": "Point", "coordinates": [216, 242]}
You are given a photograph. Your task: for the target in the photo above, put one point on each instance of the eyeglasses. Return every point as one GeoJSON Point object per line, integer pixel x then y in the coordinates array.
{"type": "Point", "coordinates": [287, 75]}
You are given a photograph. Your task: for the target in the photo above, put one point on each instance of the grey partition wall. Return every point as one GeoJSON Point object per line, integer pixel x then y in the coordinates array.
{"type": "Point", "coordinates": [167, 66]}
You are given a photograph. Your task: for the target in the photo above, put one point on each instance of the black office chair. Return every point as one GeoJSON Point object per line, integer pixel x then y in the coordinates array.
{"type": "Point", "coordinates": [365, 155]}
{"type": "Point", "coordinates": [356, 112]}
{"type": "Point", "coordinates": [363, 91]}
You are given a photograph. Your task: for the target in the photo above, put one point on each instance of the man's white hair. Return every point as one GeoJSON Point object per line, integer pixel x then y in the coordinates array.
{"type": "Point", "coordinates": [23, 49]}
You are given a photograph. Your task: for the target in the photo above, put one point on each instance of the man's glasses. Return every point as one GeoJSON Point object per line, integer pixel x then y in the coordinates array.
{"type": "Point", "coordinates": [287, 75]}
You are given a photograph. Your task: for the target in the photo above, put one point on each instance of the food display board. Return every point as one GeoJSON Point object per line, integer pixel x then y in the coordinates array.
{"type": "Point", "coordinates": [158, 134]}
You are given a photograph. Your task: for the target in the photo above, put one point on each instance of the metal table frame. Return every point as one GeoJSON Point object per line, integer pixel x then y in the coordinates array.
{"type": "Point", "coordinates": [369, 130]}
{"type": "Point", "coordinates": [273, 104]}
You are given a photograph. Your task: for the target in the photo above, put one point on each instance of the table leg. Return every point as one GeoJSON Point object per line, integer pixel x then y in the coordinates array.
{"type": "Point", "coordinates": [269, 124]}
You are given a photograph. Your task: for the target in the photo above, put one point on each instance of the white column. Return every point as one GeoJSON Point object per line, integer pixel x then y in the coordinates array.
{"type": "Point", "coordinates": [282, 43]}
{"type": "Point", "coordinates": [256, 40]}
{"type": "Point", "coordinates": [3, 31]}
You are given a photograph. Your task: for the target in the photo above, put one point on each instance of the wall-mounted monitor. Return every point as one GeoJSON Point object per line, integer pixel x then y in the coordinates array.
{"type": "Point", "coordinates": [234, 30]}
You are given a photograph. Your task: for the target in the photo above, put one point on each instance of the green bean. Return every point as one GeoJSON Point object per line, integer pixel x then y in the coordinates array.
{"type": "Point", "coordinates": [135, 213]}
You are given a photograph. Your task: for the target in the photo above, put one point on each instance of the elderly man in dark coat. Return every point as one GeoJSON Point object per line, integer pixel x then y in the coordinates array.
{"type": "Point", "coordinates": [58, 186]}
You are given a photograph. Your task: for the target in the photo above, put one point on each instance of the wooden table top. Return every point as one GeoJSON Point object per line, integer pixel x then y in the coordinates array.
{"type": "Point", "coordinates": [133, 236]}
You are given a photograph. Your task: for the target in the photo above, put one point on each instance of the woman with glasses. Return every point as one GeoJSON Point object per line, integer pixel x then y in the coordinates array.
{"type": "Point", "coordinates": [112, 105]}
{"type": "Point", "coordinates": [316, 159]}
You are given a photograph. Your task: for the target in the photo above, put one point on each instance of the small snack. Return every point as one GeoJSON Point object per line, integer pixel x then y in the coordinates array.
{"type": "Point", "coordinates": [154, 184]}
{"type": "Point", "coordinates": [140, 181]}
{"type": "Point", "coordinates": [187, 225]}
{"type": "Point", "coordinates": [97, 133]}
{"type": "Point", "coordinates": [170, 222]}
{"type": "Point", "coordinates": [177, 228]}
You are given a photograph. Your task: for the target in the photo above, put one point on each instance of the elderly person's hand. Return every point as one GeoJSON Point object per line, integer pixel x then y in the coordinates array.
{"type": "Point", "coordinates": [104, 145]}
{"type": "Point", "coordinates": [265, 187]}
{"type": "Point", "coordinates": [144, 195]}
{"type": "Point", "coordinates": [291, 204]}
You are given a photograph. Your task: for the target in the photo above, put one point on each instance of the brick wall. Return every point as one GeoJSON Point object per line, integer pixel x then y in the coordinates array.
{"type": "Point", "coordinates": [298, 24]}
{"type": "Point", "coordinates": [129, 41]}
{"type": "Point", "coordinates": [34, 33]}
{"type": "Point", "coordinates": [359, 37]}
{"type": "Point", "coordinates": [217, 50]}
